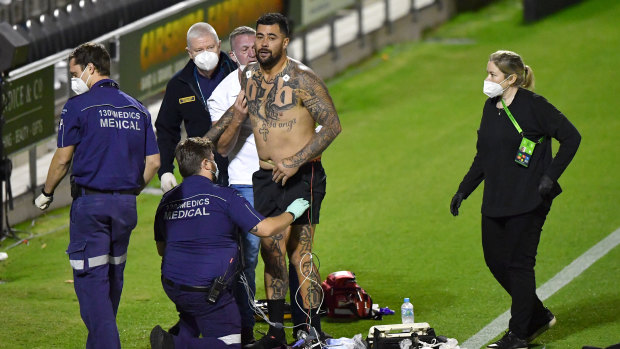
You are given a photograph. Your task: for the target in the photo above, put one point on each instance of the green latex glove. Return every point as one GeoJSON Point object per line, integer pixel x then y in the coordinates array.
{"type": "Point", "coordinates": [298, 207]}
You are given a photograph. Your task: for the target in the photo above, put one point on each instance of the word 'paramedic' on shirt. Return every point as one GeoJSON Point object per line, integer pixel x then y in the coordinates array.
{"type": "Point", "coordinates": [112, 134]}
{"type": "Point", "coordinates": [197, 220]}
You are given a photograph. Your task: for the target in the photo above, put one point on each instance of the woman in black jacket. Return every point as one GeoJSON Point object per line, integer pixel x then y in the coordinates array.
{"type": "Point", "coordinates": [520, 181]}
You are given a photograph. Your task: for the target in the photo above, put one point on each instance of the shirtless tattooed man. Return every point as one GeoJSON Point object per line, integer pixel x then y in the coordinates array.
{"type": "Point", "coordinates": [285, 100]}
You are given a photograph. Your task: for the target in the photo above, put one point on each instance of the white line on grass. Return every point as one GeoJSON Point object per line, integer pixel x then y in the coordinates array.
{"type": "Point", "coordinates": [152, 191]}
{"type": "Point", "coordinates": [550, 287]}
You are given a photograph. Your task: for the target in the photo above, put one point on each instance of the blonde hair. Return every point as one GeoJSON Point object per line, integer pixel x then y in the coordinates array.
{"type": "Point", "coordinates": [510, 63]}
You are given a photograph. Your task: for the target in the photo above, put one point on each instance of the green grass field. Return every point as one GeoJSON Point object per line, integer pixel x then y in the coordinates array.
{"type": "Point", "coordinates": [409, 117]}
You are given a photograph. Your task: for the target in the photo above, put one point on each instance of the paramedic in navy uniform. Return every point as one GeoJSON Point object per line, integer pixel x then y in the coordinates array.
{"type": "Point", "coordinates": [516, 198]}
{"type": "Point", "coordinates": [110, 139]}
{"type": "Point", "coordinates": [196, 234]}
{"type": "Point", "coordinates": [185, 100]}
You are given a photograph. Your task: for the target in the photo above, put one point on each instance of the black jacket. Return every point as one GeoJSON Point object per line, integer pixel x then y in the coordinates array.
{"type": "Point", "coordinates": [184, 103]}
{"type": "Point", "coordinates": [509, 188]}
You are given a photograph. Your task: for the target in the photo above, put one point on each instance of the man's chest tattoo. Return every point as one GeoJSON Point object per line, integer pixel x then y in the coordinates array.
{"type": "Point", "coordinates": [268, 100]}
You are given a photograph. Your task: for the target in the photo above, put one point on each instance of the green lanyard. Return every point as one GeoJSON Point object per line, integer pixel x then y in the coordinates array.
{"type": "Point", "coordinates": [514, 122]}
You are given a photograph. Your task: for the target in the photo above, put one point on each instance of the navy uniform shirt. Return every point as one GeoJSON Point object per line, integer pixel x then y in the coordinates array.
{"type": "Point", "coordinates": [197, 220]}
{"type": "Point", "coordinates": [112, 134]}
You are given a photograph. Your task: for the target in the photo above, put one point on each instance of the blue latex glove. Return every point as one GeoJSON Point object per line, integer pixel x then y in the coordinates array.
{"type": "Point", "coordinates": [298, 207]}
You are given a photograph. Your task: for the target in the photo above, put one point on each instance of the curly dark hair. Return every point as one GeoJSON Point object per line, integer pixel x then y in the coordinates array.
{"type": "Point", "coordinates": [91, 52]}
{"type": "Point", "coordinates": [275, 18]}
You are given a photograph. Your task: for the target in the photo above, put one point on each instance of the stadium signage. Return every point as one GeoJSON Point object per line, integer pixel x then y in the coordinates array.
{"type": "Point", "coordinates": [307, 12]}
{"type": "Point", "coordinates": [164, 42]}
{"type": "Point", "coordinates": [29, 109]}
{"type": "Point", "coordinates": [151, 55]}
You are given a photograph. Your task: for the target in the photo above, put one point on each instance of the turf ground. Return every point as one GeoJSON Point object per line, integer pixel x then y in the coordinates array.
{"type": "Point", "coordinates": [409, 117]}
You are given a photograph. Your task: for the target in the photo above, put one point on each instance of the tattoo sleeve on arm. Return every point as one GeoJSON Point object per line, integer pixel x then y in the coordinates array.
{"type": "Point", "coordinates": [215, 132]}
{"type": "Point", "coordinates": [317, 100]}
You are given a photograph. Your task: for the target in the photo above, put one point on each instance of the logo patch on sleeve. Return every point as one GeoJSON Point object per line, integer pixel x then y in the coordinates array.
{"type": "Point", "coordinates": [187, 99]}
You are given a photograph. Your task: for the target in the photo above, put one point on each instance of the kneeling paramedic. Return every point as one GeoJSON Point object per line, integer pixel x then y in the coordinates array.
{"type": "Point", "coordinates": [196, 234]}
{"type": "Point", "coordinates": [109, 137]}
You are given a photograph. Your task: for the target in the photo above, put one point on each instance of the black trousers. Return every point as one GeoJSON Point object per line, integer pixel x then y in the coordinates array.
{"type": "Point", "coordinates": [510, 245]}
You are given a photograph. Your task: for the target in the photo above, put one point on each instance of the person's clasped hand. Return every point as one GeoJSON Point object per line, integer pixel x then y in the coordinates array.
{"type": "Point", "coordinates": [456, 203]}
{"type": "Point", "coordinates": [545, 187]}
{"type": "Point", "coordinates": [298, 207]}
{"type": "Point", "coordinates": [44, 200]}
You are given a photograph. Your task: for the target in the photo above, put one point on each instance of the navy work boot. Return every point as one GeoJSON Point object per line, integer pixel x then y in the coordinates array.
{"type": "Point", "coordinates": [161, 339]}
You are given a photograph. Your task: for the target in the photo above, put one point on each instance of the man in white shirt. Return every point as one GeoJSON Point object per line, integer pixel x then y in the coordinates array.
{"type": "Point", "coordinates": [237, 143]}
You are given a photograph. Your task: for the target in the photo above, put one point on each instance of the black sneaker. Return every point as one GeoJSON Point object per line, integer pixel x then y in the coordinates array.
{"type": "Point", "coordinates": [247, 336]}
{"type": "Point", "coordinates": [161, 339]}
{"type": "Point", "coordinates": [547, 322]}
{"type": "Point", "coordinates": [509, 341]}
{"type": "Point", "coordinates": [267, 342]}
{"type": "Point", "coordinates": [325, 336]}
{"type": "Point", "coordinates": [302, 339]}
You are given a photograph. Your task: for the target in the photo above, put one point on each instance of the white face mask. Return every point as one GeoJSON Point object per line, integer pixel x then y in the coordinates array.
{"type": "Point", "coordinates": [241, 66]}
{"type": "Point", "coordinates": [78, 85]}
{"type": "Point", "coordinates": [493, 89]}
{"type": "Point", "coordinates": [206, 60]}
{"type": "Point", "coordinates": [216, 174]}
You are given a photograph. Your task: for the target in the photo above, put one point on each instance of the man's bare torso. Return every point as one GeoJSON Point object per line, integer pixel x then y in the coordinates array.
{"type": "Point", "coordinates": [281, 121]}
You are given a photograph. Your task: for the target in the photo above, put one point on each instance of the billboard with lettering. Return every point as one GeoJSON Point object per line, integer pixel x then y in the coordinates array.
{"type": "Point", "coordinates": [307, 12]}
{"type": "Point", "coordinates": [29, 109]}
{"type": "Point", "coordinates": [150, 56]}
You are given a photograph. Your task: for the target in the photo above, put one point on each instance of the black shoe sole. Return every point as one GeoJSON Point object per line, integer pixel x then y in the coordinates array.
{"type": "Point", "coordinates": [542, 330]}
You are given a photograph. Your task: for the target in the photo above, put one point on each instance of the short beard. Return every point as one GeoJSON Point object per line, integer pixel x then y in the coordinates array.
{"type": "Point", "coordinates": [270, 62]}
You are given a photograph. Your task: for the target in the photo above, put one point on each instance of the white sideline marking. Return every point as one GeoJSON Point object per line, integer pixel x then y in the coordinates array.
{"type": "Point", "coordinates": [550, 287]}
{"type": "Point", "coordinates": [152, 191]}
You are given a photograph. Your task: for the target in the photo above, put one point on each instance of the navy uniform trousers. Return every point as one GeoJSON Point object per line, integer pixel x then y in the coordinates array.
{"type": "Point", "coordinates": [99, 235]}
{"type": "Point", "coordinates": [215, 322]}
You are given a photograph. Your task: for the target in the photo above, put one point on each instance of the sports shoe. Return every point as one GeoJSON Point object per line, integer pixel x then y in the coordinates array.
{"type": "Point", "coordinates": [325, 336]}
{"type": "Point", "coordinates": [267, 342]}
{"type": "Point", "coordinates": [247, 336]}
{"type": "Point", "coordinates": [509, 341]}
{"type": "Point", "coordinates": [161, 339]}
{"type": "Point", "coordinates": [303, 340]}
{"type": "Point", "coordinates": [548, 322]}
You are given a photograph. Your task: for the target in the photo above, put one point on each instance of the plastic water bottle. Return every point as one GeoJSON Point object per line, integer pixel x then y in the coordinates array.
{"type": "Point", "coordinates": [406, 312]}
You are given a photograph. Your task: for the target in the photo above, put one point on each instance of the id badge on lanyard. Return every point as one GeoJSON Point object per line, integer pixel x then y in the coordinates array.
{"type": "Point", "coordinates": [526, 148]}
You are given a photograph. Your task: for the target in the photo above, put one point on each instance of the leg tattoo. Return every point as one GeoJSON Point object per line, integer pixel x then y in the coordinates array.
{"type": "Point", "coordinates": [276, 275]}
{"type": "Point", "coordinates": [310, 289]}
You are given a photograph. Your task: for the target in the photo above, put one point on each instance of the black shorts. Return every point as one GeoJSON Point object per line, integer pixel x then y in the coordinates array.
{"type": "Point", "coordinates": [272, 199]}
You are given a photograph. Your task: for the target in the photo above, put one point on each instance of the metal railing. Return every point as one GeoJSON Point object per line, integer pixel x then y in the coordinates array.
{"type": "Point", "coordinates": [326, 38]}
